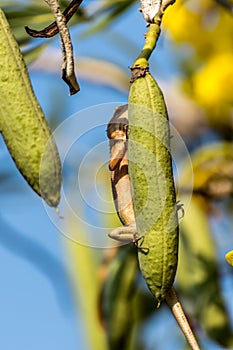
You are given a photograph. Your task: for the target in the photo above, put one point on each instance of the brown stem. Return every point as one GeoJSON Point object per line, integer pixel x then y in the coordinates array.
{"type": "Point", "coordinates": [52, 29]}
{"type": "Point", "coordinates": [177, 310]}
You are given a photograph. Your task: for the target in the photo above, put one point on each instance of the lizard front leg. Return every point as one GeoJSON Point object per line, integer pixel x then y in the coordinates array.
{"type": "Point", "coordinates": [125, 234]}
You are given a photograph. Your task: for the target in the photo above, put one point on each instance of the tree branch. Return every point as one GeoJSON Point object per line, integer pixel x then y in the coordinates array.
{"type": "Point", "coordinates": [140, 65]}
{"type": "Point", "coordinates": [52, 29]}
{"type": "Point", "coordinates": [68, 74]}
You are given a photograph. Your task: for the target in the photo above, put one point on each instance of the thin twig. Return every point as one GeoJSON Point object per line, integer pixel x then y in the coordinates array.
{"type": "Point", "coordinates": [52, 29]}
{"type": "Point", "coordinates": [140, 65]}
{"type": "Point", "coordinates": [226, 4]}
{"type": "Point", "coordinates": [165, 4]}
{"type": "Point", "coordinates": [68, 74]}
{"type": "Point", "coordinates": [181, 319]}
{"type": "Point", "coordinates": [151, 38]}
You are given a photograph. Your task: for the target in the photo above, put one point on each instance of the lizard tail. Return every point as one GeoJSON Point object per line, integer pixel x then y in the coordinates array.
{"type": "Point", "coordinates": [177, 310]}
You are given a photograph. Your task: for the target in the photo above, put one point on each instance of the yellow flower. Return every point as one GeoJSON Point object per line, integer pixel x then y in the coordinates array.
{"type": "Point", "coordinates": [201, 23]}
{"type": "Point", "coordinates": [182, 23]}
{"type": "Point", "coordinates": [213, 83]}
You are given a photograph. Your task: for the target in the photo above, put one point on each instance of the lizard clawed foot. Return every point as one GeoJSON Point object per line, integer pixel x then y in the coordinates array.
{"type": "Point", "coordinates": [180, 206]}
{"type": "Point", "coordinates": [136, 241]}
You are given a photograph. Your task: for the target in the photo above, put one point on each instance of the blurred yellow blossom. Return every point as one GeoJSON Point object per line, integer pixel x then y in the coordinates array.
{"type": "Point", "coordinates": [205, 26]}
{"type": "Point", "coordinates": [213, 82]}
{"type": "Point", "coordinates": [207, 29]}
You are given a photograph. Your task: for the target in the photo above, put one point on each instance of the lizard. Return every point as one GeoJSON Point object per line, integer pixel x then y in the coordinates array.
{"type": "Point", "coordinates": [120, 181]}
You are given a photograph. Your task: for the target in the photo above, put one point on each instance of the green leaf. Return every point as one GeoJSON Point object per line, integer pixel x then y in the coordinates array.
{"type": "Point", "coordinates": [118, 294]}
{"type": "Point", "coordinates": [83, 274]}
{"type": "Point", "coordinates": [198, 276]}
